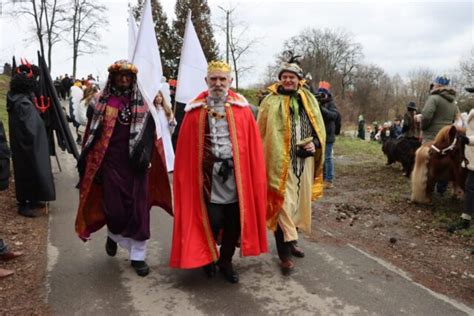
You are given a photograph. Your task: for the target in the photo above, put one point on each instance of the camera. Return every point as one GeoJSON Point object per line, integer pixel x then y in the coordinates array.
{"type": "Point", "coordinates": [320, 96]}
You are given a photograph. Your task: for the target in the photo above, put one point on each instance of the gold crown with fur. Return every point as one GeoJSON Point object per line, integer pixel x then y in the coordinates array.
{"type": "Point", "coordinates": [217, 65]}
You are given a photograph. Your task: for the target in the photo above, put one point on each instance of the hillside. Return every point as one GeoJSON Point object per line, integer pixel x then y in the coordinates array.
{"type": "Point", "coordinates": [4, 82]}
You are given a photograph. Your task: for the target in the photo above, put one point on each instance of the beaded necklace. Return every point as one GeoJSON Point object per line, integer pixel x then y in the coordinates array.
{"type": "Point", "coordinates": [125, 115]}
{"type": "Point", "coordinates": [214, 114]}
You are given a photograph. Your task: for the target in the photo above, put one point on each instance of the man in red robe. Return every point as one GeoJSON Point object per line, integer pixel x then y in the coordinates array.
{"type": "Point", "coordinates": [219, 180]}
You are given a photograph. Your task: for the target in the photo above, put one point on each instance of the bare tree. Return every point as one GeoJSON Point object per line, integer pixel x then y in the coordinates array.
{"type": "Point", "coordinates": [371, 93]}
{"type": "Point", "coordinates": [88, 18]}
{"type": "Point", "coordinates": [240, 44]}
{"type": "Point", "coordinates": [466, 66]}
{"type": "Point", "coordinates": [48, 16]}
{"type": "Point", "coordinates": [269, 75]}
{"type": "Point", "coordinates": [419, 81]}
{"type": "Point", "coordinates": [329, 55]}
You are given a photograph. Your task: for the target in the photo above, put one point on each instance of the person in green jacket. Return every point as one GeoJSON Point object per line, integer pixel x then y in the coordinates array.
{"type": "Point", "coordinates": [439, 110]}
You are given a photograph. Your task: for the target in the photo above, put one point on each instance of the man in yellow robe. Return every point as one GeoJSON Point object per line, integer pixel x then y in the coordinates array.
{"type": "Point", "coordinates": [294, 137]}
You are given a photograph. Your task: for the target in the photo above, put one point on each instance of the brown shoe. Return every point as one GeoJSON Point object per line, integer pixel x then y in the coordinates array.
{"type": "Point", "coordinates": [4, 273]}
{"type": "Point", "coordinates": [297, 251]}
{"type": "Point", "coordinates": [287, 266]}
{"type": "Point", "coordinates": [10, 255]}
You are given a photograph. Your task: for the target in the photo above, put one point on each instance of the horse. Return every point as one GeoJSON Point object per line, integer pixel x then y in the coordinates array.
{"type": "Point", "coordinates": [402, 150]}
{"type": "Point", "coordinates": [439, 160]}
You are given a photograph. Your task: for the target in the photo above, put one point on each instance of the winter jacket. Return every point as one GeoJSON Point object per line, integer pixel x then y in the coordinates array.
{"type": "Point", "coordinates": [330, 115]}
{"type": "Point", "coordinates": [439, 111]}
{"type": "Point", "coordinates": [395, 131]}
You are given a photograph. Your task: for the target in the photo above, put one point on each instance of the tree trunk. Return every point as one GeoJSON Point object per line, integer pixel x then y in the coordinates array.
{"type": "Point", "coordinates": [74, 61]}
{"type": "Point", "coordinates": [236, 80]}
{"type": "Point", "coordinates": [50, 49]}
{"type": "Point", "coordinates": [234, 61]}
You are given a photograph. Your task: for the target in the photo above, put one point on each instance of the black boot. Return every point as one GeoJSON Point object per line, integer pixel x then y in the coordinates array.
{"type": "Point", "coordinates": [141, 268]}
{"type": "Point", "coordinates": [79, 139]}
{"type": "Point", "coordinates": [111, 247]}
{"type": "Point", "coordinates": [210, 269]}
{"type": "Point", "coordinates": [37, 204]}
{"type": "Point", "coordinates": [229, 273]}
{"type": "Point", "coordinates": [25, 210]}
{"type": "Point", "coordinates": [459, 225]}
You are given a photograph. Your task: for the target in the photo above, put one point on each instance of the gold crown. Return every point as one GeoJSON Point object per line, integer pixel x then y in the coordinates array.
{"type": "Point", "coordinates": [217, 65]}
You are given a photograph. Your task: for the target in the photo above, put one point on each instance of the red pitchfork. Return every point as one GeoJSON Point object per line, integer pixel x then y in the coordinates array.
{"type": "Point", "coordinates": [42, 108]}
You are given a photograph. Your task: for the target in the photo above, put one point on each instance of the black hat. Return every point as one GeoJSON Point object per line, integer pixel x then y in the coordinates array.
{"type": "Point", "coordinates": [471, 90]}
{"type": "Point", "coordinates": [411, 106]}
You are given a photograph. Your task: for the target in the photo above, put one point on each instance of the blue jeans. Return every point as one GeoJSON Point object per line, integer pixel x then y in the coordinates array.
{"type": "Point", "coordinates": [328, 168]}
{"type": "Point", "coordinates": [3, 248]}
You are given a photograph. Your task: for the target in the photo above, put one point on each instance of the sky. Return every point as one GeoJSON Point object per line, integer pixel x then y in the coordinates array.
{"type": "Point", "coordinates": [399, 36]}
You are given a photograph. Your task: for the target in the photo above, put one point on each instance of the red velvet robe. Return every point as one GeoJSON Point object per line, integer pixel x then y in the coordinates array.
{"type": "Point", "coordinates": [90, 216]}
{"type": "Point", "coordinates": [193, 243]}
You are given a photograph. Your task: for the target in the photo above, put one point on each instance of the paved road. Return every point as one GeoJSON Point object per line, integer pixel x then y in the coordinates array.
{"type": "Point", "coordinates": [331, 280]}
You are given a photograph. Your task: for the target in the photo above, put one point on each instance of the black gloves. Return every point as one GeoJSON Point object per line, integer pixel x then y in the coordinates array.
{"type": "Point", "coordinates": [303, 153]}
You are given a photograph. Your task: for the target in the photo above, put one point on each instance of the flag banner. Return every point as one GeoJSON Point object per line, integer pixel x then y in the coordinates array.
{"type": "Point", "coordinates": [192, 66]}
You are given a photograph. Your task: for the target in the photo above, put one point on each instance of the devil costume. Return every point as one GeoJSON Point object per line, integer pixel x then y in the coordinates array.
{"type": "Point", "coordinates": [28, 140]}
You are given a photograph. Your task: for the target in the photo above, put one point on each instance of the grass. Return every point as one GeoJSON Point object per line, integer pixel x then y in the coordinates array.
{"type": "Point", "coordinates": [4, 84]}
{"type": "Point", "coordinates": [385, 186]}
{"type": "Point", "coordinates": [250, 95]}
{"type": "Point", "coordinates": [358, 149]}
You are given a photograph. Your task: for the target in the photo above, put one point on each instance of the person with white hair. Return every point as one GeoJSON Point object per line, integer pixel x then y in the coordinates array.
{"type": "Point", "coordinates": [219, 180]}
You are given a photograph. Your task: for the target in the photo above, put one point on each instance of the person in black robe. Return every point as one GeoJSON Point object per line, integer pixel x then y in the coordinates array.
{"type": "Point", "coordinates": [28, 141]}
{"type": "Point", "coordinates": [5, 156]}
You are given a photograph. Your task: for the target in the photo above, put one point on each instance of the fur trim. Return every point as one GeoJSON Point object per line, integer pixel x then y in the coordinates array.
{"type": "Point", "coordinates": [233, 98]}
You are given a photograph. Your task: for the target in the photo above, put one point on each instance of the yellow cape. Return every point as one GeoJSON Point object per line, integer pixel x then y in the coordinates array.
{"type": "Point", "coordinates": [275, 129]}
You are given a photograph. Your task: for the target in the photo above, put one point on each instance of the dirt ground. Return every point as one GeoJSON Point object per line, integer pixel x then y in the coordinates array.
{"type": "Point", "coordinates": [369, 208]}
{"type": "Point", "coordinates": [23, 293]}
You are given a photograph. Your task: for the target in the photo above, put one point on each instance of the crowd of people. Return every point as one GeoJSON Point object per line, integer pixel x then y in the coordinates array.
{"type": "Point", "coordinates": [63, 84]}
{"type": "Point", "coordinates": [234, 175]}
{"type": "Point", "coordinates": [423, 125]}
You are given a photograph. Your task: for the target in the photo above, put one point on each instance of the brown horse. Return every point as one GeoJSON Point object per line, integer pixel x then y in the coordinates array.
{"type": "Point", "coordinates": [439, 160]}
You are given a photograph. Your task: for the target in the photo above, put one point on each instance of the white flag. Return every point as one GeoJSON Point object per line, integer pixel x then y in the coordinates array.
{"type": "Point", "coordinates": [192, 66]}
{"type": "Point", "coordinates": [132, 34]}
{"type": "Point", "coordinates": [146, 58]}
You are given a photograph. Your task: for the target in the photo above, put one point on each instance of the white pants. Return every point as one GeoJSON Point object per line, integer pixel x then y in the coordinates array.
{"type": "Point", "coordinates": [136, 249]}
